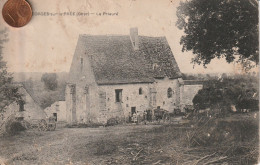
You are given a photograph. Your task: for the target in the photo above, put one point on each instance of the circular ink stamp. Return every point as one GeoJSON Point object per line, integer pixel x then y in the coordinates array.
{"type": "Point", "coordinates": [17, 13]}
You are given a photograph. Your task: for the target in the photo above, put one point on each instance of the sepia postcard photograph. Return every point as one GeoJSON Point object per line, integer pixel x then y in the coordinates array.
{"type": "Point", "coordinates": [129, 82]}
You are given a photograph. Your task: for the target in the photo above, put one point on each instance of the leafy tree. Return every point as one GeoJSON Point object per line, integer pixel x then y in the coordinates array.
{"type": "Point", "coordinates": [8, 90]}
{"type": "Point", "coordinates": [220, 29]}
{"type": "Point", "coordinates": [50, 80]}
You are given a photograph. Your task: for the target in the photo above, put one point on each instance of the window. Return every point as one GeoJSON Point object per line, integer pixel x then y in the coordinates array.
{"type": "Point", "coordinates": [133, 110]}
{"type": "Point", "coordinates": [57, 107]}
{"type": "Point", "coordinates": [21, 105]}
{"type": "Point", "coordinates": [118, 93]}
{"type": "Point", "coordinates": [169, 92]}
{"type": "Point", "coordinates": [140, 91]}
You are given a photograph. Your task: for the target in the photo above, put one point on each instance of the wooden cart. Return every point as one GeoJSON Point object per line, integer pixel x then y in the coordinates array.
{"type": "Point", "coordinates": [47, 125]}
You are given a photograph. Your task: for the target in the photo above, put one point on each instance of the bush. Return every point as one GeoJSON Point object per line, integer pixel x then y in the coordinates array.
{"type": "Point", "coordinates": [13, 127]}
{"type": "Point", "coordinates": [50, 81]}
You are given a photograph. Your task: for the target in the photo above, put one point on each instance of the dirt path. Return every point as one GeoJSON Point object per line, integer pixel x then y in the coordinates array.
{"type": "Point", "coordinates": [232, 140]}
{"type": "Point", "coordinates": [63, 146]}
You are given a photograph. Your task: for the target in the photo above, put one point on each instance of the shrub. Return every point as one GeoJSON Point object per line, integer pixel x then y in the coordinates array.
{"type": "Point", "coordinates": [13, 127]}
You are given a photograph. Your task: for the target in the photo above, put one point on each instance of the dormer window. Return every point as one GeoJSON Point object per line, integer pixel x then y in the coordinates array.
{"type": "Point", "coordinates": [155, 66]}
{"type": "Point", "coordinates": [169, 93]}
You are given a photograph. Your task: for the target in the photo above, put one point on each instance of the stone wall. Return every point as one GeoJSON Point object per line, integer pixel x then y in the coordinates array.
{"type": "Point", "coordinates": [130, 98]}
{"type": "Point", "coordinates": [97, 103]}
{"type": "Point", "coordinates": [162, 99]}
{"type": "Point", "coordinates": [189, 93]}
{"type": "Point", "coordinates": [59, 107]}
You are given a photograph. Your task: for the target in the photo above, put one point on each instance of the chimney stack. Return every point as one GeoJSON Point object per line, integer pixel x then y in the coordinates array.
{"type": "Point", "coordinates": [134, 37]}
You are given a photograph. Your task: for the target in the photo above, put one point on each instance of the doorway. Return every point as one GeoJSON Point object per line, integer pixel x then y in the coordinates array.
{"type": "Point", "coordinates": [55, 116]}
{"type": "Point", "coordinates": [133, 110]}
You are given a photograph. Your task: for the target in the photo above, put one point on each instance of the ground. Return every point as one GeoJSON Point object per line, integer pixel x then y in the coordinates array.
{"type": "Point", "coordinates": [125, 144]}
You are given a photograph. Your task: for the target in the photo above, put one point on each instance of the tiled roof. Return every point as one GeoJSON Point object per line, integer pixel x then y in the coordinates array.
{"type": "Point", "coordinates": [115, 61]}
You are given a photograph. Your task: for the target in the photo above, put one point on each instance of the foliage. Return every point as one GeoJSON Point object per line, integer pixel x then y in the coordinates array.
{"type": "Point", "coordinates": [50, 81]}
{"type": "Point", "coordinates": [43, 97]}
{"type": "Point", "coordinates": [220, 29]}
{"type": "Point", "coordinates": [8, 91]}
{"type": "Point", "coordinates": [13, 127]}
{"type": "Point", "coordinates": [221, 93]}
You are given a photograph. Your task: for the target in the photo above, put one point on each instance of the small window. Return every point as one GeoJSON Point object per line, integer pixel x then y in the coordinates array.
{"type": "Point", "coordinates": [118, 93]}
{"type": "Point", "coordinates": [140, 91]}
{"type": "Point", "coordinates": [169, 92]}
{"type": "Point", "coordinates": [57, 107]}
{"type": "Point", "coordinates": [21, 105]}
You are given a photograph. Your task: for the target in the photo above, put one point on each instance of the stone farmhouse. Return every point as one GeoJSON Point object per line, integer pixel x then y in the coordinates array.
{"type": "Point", "coordinates": [28, 109]}
{"type": "Point", "coordinates": [119, 75]}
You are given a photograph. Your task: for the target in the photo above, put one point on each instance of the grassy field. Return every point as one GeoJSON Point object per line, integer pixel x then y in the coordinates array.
{"type": "Point", "coordinates": [233, 140]}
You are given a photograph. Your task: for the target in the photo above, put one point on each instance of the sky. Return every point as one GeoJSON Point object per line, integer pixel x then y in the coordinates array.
{"type": "Point", "coordinates": [47, 43]}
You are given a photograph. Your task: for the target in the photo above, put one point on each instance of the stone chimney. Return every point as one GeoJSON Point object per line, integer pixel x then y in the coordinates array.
{"type": "Point", "coordinates": [134, 38]}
